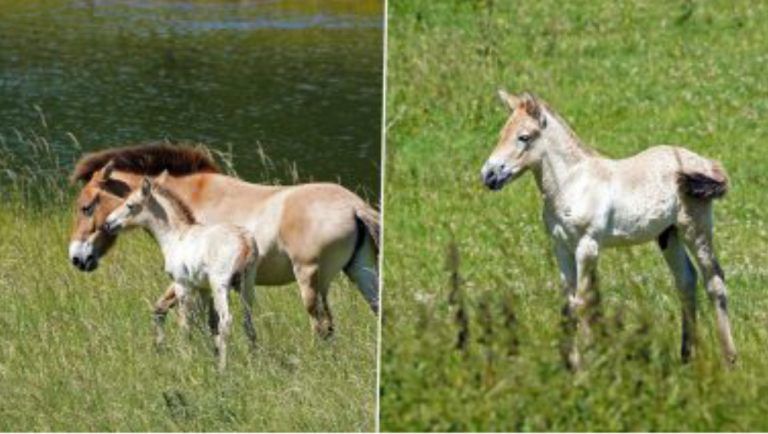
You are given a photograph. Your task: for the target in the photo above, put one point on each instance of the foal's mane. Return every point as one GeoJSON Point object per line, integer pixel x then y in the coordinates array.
{"type": "Point", "coordinates": [567, 127]}
{"type": "Point", "coordinates": [147, 159]}
{"type": "Point", "coordinates": [181, 208]}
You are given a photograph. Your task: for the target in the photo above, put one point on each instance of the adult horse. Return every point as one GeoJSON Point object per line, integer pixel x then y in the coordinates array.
{"type": "Point", "coordinates": [306, 233]}
{"type": "Point", "coordinates": [664, 193]}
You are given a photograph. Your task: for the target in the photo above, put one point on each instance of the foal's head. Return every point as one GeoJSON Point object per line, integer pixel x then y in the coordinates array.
{"type": "Point", "coordinates": [136, 210]}
{"type": "Point", "coordinates": [519, 146]}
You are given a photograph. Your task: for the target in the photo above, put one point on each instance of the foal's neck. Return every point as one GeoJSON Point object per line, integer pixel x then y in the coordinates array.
{"type": "Point", "coordinates": [167, 224]}
{"type": "Point", "coordinates": [562, 152]}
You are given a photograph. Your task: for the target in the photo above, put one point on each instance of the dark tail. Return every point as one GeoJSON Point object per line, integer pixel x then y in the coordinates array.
{"type": "Point", "coordinates": [370, 220]}
{"type": "Point", "coordinates": [368, 225]}
{"type": "Point", "coordinates": [704, 186]}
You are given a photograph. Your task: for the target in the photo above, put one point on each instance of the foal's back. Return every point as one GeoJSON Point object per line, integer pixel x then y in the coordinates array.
{"type": "Point", "coordinates": [636, 198]}
{"type": "Point", "coordinates": [214, 254]}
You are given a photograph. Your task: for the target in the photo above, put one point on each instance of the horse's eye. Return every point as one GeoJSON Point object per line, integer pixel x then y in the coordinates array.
{"type": "Point", "coordinates": [525, 138]}
{"type": "Point", "coordinates": [88, 209]}
{"type": "Point", "coordinates": [131, 207]}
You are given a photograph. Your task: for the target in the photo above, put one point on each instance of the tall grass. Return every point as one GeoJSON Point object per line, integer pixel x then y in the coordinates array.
{"type": "Point", "coordinates": [471, 292]}
{"type": "Point", "coordinates": [76, 350]}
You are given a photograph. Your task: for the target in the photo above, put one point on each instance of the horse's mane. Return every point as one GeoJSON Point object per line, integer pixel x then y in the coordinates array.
{"type": "Point", "coordinates": [147, 159]}
{"type": "Point", "coordinates": [175, 201]}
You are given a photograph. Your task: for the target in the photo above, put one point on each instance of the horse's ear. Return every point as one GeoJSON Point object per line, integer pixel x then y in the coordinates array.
{"type": "Point", "coordinates": [510, 101]}
{"type": "Point", "coordinates": [533, 108]}
{"type": "Point", "coordinates": [106, 171]}
{"type": "Point", "coordinates": [146, 186]}
{"type": "Point", "coordinates": [162, 178]}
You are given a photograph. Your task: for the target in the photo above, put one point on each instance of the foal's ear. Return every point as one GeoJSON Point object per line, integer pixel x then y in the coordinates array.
{"type": "Point", "coordinates": [533, 108]}
{"type": "Point", "coordinates": [146, 186]}
{"type": "Point", "coordinates": [510, 101]}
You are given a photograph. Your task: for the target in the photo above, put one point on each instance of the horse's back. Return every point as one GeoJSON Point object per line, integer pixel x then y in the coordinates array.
{"type": "Point", "coordinates": [323, 214]}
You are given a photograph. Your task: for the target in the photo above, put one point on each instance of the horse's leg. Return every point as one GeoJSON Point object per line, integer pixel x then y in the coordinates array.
{"type": "Point", "coordinates": [567, 266]}
{"type": "Point", "coordinates": [363, 271]}
{"type": "Point", "coordinates": [162, 306]}
{"type": "Point", "coordinates": [309, 279]}
{"type": "Point", "coordinates": [247, 293]}
{"type": "Point", "coordinates": [224, 321]}
{"type": "Point", "coordinates": [584, 303]}
{"type": "Point", "coordinates": [327, 322]}
{"type": "Point", "coordinates": [698, 238]}
{"type": "Point", "coordinates": [685, 280]}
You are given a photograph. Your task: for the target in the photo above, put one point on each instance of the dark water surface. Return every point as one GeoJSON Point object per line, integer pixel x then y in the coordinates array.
{"type": "Point", "coordinates": [301, 78]}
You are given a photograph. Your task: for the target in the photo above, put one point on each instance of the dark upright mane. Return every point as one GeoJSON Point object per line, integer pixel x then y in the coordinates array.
{"type": "Point", "coordinates": [147, 159]}
{"type": "Point", "coordinates": [175, 201]}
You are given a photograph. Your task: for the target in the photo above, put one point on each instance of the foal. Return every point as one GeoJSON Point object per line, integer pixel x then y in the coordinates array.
{"type": "Point", "coordinates": [210, 259]}
{"type": "Point", "coordinates": [664, 193]}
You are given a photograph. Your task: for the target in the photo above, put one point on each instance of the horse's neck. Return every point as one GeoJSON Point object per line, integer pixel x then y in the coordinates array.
{"type": "Point", "coordinates": [210, 195]}
{"type": "Point", "coordinates": [562, 152]}
{"type": "Point", "coordinates": [195, 189]}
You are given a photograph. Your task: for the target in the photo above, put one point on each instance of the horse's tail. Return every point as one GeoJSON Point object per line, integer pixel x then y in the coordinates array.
{"type": "Point", "coordinates": [708, 184]}
{"type": "Point", "coordinates": [368, 219]}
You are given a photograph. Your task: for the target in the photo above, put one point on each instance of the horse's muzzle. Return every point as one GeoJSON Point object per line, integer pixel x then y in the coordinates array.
{"type": "Point", "coordinates": [88, 264]}
{"type": "Point", "coordinates": [82, 256]}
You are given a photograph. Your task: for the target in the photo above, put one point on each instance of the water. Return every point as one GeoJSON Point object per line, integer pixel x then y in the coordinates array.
{"type": "Point", "coordinates": [302, 79]}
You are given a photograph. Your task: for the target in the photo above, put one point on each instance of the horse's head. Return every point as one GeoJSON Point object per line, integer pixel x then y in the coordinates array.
{"type": "Point", "coordinates": [99, 196]}
{"type": "Point", "coordinates": [517, 148]}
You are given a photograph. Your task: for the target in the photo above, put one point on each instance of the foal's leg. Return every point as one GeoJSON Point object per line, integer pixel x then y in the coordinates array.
{"type": "Point", "coordinates": [312, 289]}
{"type": "Point", "coordinates": [567, 265]}
{"type": "Point", "coordinates": [698, 238]}
{"type": "Point", "coordinates": [162, 306]}
{"type": "Point", "coordinates": [685, 281]}
{"type": "Point", "coordinates": [586, 299]}
{"type": "Point", "coordinates": [224, 321]}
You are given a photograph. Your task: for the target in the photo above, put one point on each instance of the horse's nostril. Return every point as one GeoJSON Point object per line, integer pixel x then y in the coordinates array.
{"type": "Point", "coordinates": [76, 261]}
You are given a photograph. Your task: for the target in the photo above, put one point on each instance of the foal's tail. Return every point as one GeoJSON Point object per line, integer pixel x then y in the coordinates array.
{"type": "Point", "coordinates": [704, 185]}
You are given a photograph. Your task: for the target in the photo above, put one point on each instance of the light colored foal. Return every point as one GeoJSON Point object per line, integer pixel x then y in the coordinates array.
{"type": "Point", "coordinates": [664, 193]}
{"type": "Point", "coordinates": [209, 259]}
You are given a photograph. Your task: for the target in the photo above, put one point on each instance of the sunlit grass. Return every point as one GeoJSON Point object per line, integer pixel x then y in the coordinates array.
{"type": "Point", "coordinates": [626, 76]}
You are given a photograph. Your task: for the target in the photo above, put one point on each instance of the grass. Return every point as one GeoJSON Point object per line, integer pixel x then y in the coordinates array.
{"type": "Point", "coordinates": [473, 345]}
{"type": "Point", "coordinates": [77, 353]}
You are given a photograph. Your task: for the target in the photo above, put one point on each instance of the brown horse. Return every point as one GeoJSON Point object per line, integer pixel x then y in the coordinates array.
{"type": "Point", "coordinates": [305, 233]}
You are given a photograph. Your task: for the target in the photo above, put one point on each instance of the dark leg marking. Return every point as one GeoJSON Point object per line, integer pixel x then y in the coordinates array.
{"type": "Point", "coordinates": [664, 237]}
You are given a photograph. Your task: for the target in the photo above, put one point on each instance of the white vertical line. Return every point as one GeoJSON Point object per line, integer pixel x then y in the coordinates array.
{"type": "Point", "coordinates": [382, 168]}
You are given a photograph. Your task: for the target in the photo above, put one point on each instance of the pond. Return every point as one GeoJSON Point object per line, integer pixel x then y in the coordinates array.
{"type": "Point", "coordinates": [301, 80]}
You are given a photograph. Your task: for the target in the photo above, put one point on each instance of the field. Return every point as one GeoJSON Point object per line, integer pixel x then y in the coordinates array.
{"type": "Point", "coordinates": [76, 349]}
{"type": "Point", "coordinates": [471, 293]}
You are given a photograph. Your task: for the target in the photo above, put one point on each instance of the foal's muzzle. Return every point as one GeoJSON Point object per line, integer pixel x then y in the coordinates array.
{"type": "Point", "coordinates": [110, 228]}
{"type": "Point", "coordinates": [495, 175]}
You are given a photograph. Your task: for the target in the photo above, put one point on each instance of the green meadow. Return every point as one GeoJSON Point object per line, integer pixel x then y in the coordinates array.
{"type": "Point", "coordinates": [471, 299]}
{"type": "Point", "coordinates": [77, 351]}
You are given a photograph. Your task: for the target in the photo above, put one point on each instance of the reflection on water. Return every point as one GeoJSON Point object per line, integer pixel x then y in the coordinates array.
{"type": "Point", "coordinates": [303, 79]}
